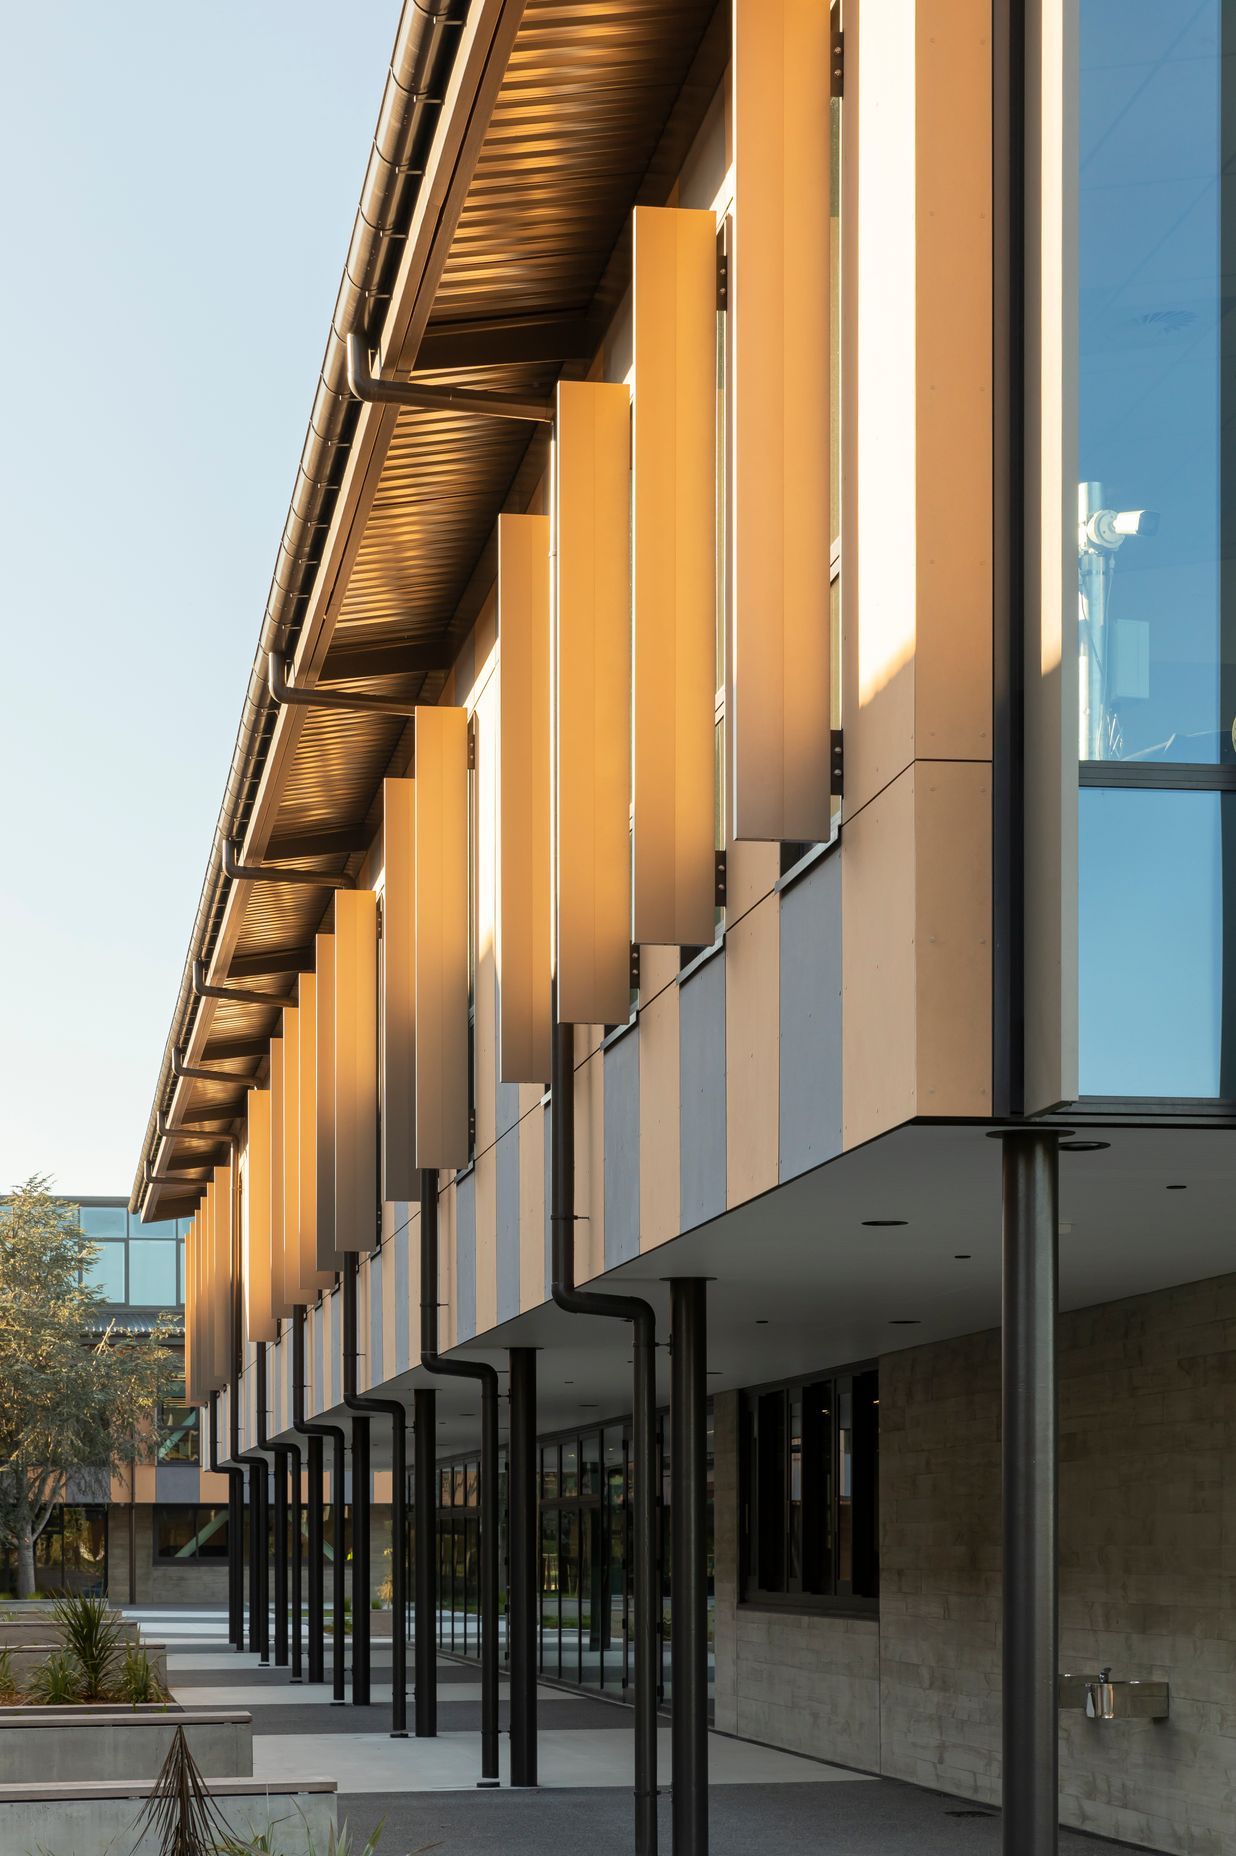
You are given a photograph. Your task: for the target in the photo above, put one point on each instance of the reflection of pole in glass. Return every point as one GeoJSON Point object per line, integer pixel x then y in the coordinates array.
{"type": "Point", "coordinates": [1100, 534]}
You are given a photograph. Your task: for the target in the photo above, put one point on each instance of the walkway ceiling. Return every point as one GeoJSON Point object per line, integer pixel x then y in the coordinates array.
{"type": "Point", "coordinates": [558, 118]}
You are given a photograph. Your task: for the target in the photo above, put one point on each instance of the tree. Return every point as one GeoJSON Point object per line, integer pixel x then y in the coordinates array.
{"type": "Point", "coordinates": [78, 1394]}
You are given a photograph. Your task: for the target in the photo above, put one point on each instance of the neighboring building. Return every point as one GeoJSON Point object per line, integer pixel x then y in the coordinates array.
{"type": "Point", "coordinates": [966, 750]}
{"type": "Point", "coordinates": [137, 1546]}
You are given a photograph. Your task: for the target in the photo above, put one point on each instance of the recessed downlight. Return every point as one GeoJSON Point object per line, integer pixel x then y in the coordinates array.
{"type": "Point", "coordinates": [1082, 1147]}
{"type": "Point", "coordinates": [761, 1321]}
{"type": "Point", "coordinates": [905, 1321]}
{"type": "Point", "coordinates": [1175, 1188]}
{"type": "Point", "coordinates": [884, 1224]}
{"type": "Point", "coordinates": [962, 1256]}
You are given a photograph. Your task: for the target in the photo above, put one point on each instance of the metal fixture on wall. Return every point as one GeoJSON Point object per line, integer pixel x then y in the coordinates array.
{"type": "Point", "coordinates": [640, 1314]}
{"type": "Point", "coordinates": [364, 385]}
{"type": "Point", "coordinates": [434, 1362]}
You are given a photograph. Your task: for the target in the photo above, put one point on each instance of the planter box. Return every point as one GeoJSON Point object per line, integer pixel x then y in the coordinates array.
{"type": "Point", "coordinates": [97, 1820]}
{"type": "Point", "coordinates": [27, 1657]}
{"type": "Point", "coordinates": [86, 1710]}
{"type": "Point", "coordinates": [77, 1746]}
{"type": "Point", "coordinates": [41, 1627]}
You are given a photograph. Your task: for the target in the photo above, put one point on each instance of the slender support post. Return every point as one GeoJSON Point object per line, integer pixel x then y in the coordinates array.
{"type": "Point", "coordinates": [259, 1604]}
{"type": "Point", "coordinates": [522, 1605]}
{"type": "Point", "coordinates": [360, 1560]}
{"type": "Point", "coordinates": [479, 1370]}
{"type": "Point", "coordinates": [279, 1467]}
{"type": "Point", "coordinates": [316, 1662]}
{"type": "Point", "coordinates": [396, 1411]}
{"type": "Point", "coordinates": [1030, 1474]}
{"type": "Point", "coordinates": [688, 1577]}
{"type": "Point", "coordinates": [339, 1567]}
{"type": "Point", "coordinates": [317, 1432]}
{"type": "Point", "coordinates": [236, 1558]}
{"type": "Point", "coordinates": [294, 1527]}
{"type": "Point", "coordinates": [644, 1425]}
{"type": "Point", "coordinates": [425, 1410]}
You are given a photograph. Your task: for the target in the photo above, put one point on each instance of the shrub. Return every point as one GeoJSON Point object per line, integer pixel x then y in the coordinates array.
{"type": "Point", "coordinates": [9, 1690]}
{"type": "Point", "coordinates": [91, 1635]}
{"type": "Point", "coordinates": [136, 1681]}
{"type": "Point", "coordinates": [57, 1681]}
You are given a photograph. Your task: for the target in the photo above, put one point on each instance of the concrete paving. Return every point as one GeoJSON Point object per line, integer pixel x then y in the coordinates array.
{"type": "Point", "coordinates": [425, 1792]}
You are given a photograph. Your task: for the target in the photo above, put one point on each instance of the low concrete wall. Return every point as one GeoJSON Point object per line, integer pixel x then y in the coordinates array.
{"type": "Point", "coordinates": [38, 1750]}
{"type": "Point", "coordinates": [86, 1710]}
{"type": "Point", "coordinates": [42, 1627]}
{"type": "Point", "coordinates": [84, 1820]}
{"type": "Point", "coordinates": [28, 1657]}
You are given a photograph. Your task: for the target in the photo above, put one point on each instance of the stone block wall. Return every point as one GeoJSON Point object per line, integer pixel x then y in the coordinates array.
{"type": "Point", "coordinates": [1148, 1577]}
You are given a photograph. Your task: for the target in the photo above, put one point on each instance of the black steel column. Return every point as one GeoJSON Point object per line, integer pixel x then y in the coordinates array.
{"type": "Point", "coordinates": [316, 1665]}
{"type": "Point", "coordinates": [425, 1623]}
{"type": "Point", "coordinates": [236, 1558]}
{"type": "Point", "coordinates": [360, 1560]}
{"type": "Point", "coordinates": [294, 1526]}
{"type": "Point", "coordinates": [280, 1470]}
{"type": "Point", "coordinates": [1030, 1473]}
{"type": "Point", "coordinates": [259, 1603]}
{"type": "Point", "coordinates": [689, 1569]}
{"type": "Point", "coordinates": [523, 1598]}
{"type": "Point", "coordinates": [338, 1574]}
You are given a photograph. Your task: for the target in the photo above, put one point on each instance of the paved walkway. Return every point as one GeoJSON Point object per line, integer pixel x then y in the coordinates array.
{"type": "Point", "coordinates": [425, 1792]}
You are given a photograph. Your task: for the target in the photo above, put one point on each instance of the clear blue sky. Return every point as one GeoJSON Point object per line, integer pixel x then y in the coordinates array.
{"type": "Point", "coordinates": [177, 189]}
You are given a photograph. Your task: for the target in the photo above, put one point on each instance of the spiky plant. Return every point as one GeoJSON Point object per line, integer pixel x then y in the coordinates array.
{"type": "Point", "coordinates": [9, 1690]}
{"type": "Point", "coordinates": [90, 1633]}
{"type": "Point", "coordinates": [136, 1680]}
{"type": "Point", "coordinates": [179, 1811]}
{"type": "Point", "coordinates": [57, 1682]}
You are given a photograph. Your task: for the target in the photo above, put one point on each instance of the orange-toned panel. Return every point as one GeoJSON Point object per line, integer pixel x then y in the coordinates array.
{"type": "Point", "coordinates": [524, 799]}
{"type": "Point", "coordinates": [441, 937]}
{"type": "Point", "coordinates": [592, 673]}
{"type": "Point", "coordinates": [304, 1259]}
{"type": "Point", "coordinates": [916, 940]}
{"type": "Point", "coordinates": [752, 1051]}
{"type": "Point", "coordinates": [779, 707]}
{"type": "Point", "coordinates": [259, 1320]}
{"type": "Point", "coordinates": [659, 1154]}
{"type": "Point", "coordinates": [484, 798]}
{"type": "Point", "coordinates": [674, 500]}
{"type": "Point", "coordinates": [291, 1155]}
{"type": "Point", "coordinates": [220, 1272]}
{"type": "Point", "coordinates": [191, 1308]}
{"type": "Point", "coordinates": [324, 1095]}
{"type": "Point", "coordinates": [212, 1488]}
{"type": "Point", "coordinates": [356, 1070]}
{"type": "Point", "coordinates": [280, 1306]}
{"type": "Point", "coordinates": [399, 1177]}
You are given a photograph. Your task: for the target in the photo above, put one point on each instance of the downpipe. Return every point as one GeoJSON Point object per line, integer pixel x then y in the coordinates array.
{"type": "Point", "coordinates": [643, 1319]}
{"type": "Point", "coordinates": [316, 1432]}
{"type": "Point", "coordinates": [235, 1551]}
{"type": "Point", "coordinates": [487, 1377]}
{"type": "Point", "coordinates": [282, 1454]}
{"type": "Point", "coordinates": [396, 1411]}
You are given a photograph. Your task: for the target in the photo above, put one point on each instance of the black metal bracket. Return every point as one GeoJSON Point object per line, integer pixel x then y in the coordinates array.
{"type": "Point", "coordinates": [198, 1073]}
{"type": "Point", "coordinates": [836, 785]}
{"type": "Point", "coordinates": [278, 873]}
{"type": "Point", "coordinates": [234, 995]}
{"type": "Point", "coordinates": [471, 744]}
{"type": "Point", "coordinates": [723, 281]}
{"type": "Point", "coordinates": [634, 966]}
{"type": "Point", "coordinates": [720, 878]}
{"type": "Point", "coordinates": [836, 53]}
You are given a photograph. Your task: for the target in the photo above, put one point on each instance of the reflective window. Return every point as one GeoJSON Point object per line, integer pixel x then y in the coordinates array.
{"type": "Point", "coordinates": [1157, 660]}
{"type": "Point", "coordinates": [103, 1220]}
{"type": "Point", "coordinates": [152, 1275]}
{"type": "Point", "coordinates": [104, 1271]}
{"type": "Point", "coordinates": [187, 1533]}
{"type": "Point", "coordinates": [167, 1228]}
{"type": "Point", "coordinates": [1156, 921]}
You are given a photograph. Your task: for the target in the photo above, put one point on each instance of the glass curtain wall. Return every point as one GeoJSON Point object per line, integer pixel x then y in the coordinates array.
{"type": "Point", "coordinates": [1156, 534]}
{"type": "Point", "coordinates": [585, 1503]}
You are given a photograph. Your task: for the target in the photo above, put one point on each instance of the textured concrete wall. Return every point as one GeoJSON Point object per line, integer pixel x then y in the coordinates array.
{"type": "Point", "coordinates": [193, 1582]}
{"type": "Point", "coordinates": [1147, 1577]}
{"type": "Point", "coordinates": [1148, 1562]}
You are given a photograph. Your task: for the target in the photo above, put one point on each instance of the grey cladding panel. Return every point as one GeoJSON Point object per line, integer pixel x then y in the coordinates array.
{"type": "Point", "coordinates": [508, 1226]}
{"type": "Point", "coordinates": [465, 1258]}
{"type": "Point", "coordinates": [622, 1150]}
{"type": "Point", "coordinates": [811, 1019]}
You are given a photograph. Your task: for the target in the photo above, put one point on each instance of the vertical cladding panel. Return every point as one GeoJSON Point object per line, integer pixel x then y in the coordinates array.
{"type": "Point", "coordinates": [404, 1246]}
{"type": "Point", "coordinates": [441, 938]}
{"type": "Point", "coordinates": [356, 1069]}
{"type": "Point", "coordinates": [525, 880]}
{"type": "Point", "coordinates": [589, 1161]}
{"type": "Point", "coordinates": [547, 1199]}
{"type": "Point", "coordinates": [674, 536]}
{"type": "Point", "coordinates": [506, 1159]}
{"type": "Point", "coordinates": [659, 1135]}
{"type": "Point", "coordinates": [259, 1320]}
{"type": "Point", "coordinates": [752, 1041]}
{"type": "Point", "coordinates": [399, 1180]}
{"type": "Point", "coordinates": [810, 1077]}
{"type": "Point", "coordinates": [280, 1306]}
{"type": "Point", "coordinates": [877, 944]}
{"type": "Point", "coordinates": [291, 1155]}
{"type": "Point", "coordinates": [387, 1266]}
{"type": "Point", "coordinates": [781, 306]}
{"type": "Point", "coordinates": [317, 1318]}
{"type": "Point", "coordinates": [335, 1347]}
{"type": "Point", "coordinates": [531, 1137]}
{"type": "Point", "coordinates": [324, 1096]}
{"type": "Point", "coordinates": [702, 1060]}
{"type": "Point", "coordinates": [484, 928]}
{"type": "Point", "coordinates": [225, 1186]}
{"type": "Point", "coordinates": [309, 1278]}
{"type": "Point", "coordinates": [622, 1155]}
{"type": "Point", "coordinates": [464, 1197]}
{"type": "Point", "coordinates": [372, 1303]}
{"type": "Point", "coordinates": [485, 1239]}
{"type": "Point", "coordinates": [952, 901]}
{"type": "Point", "coordinates": [592, 710]}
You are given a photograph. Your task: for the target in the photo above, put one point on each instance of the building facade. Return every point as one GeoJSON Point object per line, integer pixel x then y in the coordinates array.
{"type": "Point", "coordinates": [731, 814]}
